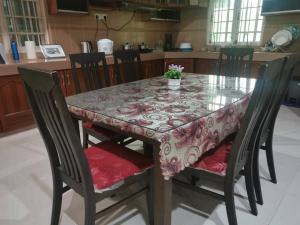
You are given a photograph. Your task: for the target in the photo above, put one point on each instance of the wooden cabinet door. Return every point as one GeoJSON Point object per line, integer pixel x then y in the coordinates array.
{"type": "Point", "coordinates": [205, 66]}
{"type": "Point", "coordinates": [61, 76]}
{"type": "Point", "coordinates": [188, 64]}
{"type": "Point", "coordinates": [255, 69]}
{"type": "Point", "coordinates": [153, 68]}
{"type": "Point", "coordinates": [15, 112]}
{"type": "Point", "coordinates": [69, 82]}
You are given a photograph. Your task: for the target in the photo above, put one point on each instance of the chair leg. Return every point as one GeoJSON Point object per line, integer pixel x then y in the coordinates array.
{"type": "Point", "coordinates": [256, 178]}
{"type": "Point", "coordinates": [250, 188]}
{"type": "Point", "coordinates": [150, 203]}
{"type": "Point", "coordinates": [57, 201]}
{"type": "Point", "coordinates": [90, 212]}
{"type": "Point", "coordinates": [229, 201]}
{"type": "Point", "coordinates": [270, 159]}
{"type": "Point", "coordinates": [85, 138]}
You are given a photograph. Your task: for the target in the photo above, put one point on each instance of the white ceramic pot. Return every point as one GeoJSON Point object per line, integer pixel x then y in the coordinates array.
{"type": "Point", "coordinates": [106, 46]}
{"type": "Point", "coordinates": [174, 84]}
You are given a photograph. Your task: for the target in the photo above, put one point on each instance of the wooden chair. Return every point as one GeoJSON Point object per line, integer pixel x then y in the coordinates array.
{"type": "Point", "coordinates": [95, 76]}
{"type": "Point", "coordinates": [265, 141]}
{"type": "Point", "coordinates": [96, 173]}
{"type": "Point", "coordinates": [127, 66]}
{"type": "Point", "coordinates": [94, 69]}
{"type": "Point", "coordinates": [233, 62]}
{"type": "Point", "coordinates": [235, 154]}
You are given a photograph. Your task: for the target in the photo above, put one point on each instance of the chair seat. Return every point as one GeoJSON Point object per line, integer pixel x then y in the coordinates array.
{"type": "Point", "coordinates": [111, 164]}
{"type": "Point", "coordinates": [105, 133]}
{"type": "Point", "coordinates": [216, 160]}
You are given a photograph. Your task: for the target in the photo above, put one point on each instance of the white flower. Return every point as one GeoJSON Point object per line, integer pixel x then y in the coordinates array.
{"type": "Point", "coordinates": [178, 68]}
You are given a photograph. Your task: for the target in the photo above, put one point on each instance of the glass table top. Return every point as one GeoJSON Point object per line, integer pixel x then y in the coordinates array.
{"type": "Point", "coordinates": [151, 104]}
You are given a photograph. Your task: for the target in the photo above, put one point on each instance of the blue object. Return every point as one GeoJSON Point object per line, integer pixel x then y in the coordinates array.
{"type": "Point", "coordinates": [186, 49]}
{"type": "Point", "coordinates": [14, 50]}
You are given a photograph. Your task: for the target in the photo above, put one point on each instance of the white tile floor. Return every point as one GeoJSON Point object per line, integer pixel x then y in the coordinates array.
{"type": "Point", "coordinates": [25, 187]}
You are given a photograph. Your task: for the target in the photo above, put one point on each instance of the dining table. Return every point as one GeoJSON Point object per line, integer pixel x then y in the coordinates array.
{"type": "Point", "coordinates": [177, 124]}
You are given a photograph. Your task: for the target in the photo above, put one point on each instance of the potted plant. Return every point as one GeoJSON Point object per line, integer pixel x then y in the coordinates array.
{"type": "Point", "coordinates": [174, 76]}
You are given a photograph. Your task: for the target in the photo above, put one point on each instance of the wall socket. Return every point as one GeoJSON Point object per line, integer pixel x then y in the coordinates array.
{"type": "Point", "coordinates": [99, 16]}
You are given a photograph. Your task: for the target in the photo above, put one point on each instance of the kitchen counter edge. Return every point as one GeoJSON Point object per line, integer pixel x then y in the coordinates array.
{"type": "Point", "coordinates": [62, 64]}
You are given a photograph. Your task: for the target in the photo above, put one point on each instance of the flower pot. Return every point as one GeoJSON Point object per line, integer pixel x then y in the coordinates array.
{"type": "Point", "coordinates": [174, 84]}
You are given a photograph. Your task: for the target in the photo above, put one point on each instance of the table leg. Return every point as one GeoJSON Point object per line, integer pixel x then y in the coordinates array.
{"type": "Point", "coordinates": [162, 192]}
{"type": "Point", "coordinates": [148, 149]}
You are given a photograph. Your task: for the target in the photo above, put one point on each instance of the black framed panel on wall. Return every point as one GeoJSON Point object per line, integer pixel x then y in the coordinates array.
{"type": "Point", "coordinates": [79, 6]}
{"type": "Point", "coordinates": [280, 6]}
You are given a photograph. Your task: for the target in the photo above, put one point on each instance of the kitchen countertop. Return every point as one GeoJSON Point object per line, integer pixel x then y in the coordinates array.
{"type": "Point", "coordinates": [62, 64]}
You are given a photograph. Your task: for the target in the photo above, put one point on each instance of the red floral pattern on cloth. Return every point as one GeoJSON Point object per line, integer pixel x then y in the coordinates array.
{"type": "Point", "coordinates": [111, 163]}
{"type": "Point", "coordinates": [187, 122]}
{"type": "Point", "coordinates": [216, 160]}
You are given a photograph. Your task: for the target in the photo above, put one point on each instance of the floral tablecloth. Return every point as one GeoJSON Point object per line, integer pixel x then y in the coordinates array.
{"type": "Point", "coordinates": [187, 122]}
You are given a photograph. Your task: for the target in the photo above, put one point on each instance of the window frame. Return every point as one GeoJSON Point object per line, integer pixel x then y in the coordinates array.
{"type": "Point", "coordinates": [235, 27]}
{"type": "Point", "coordinates": [5, 33]}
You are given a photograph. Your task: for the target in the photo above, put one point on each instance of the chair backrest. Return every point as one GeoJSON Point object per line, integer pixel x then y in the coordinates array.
{"type": "Point", "coordinates": [127, 66]}
{"type": "Point", "coordinates": [265, 89]}
{"type": "Point", "coordinates": [233, 61]}
{"type": "Point", "coordinates": [94, 69]}
{"type": "Point", "coordinates": [67, 159]}
{"type": "Point", "coordinates": [269, 123]}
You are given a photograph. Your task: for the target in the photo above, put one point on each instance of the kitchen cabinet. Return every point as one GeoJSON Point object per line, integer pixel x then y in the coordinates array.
{"type": "Point", "coordinates": [176, 4]}
{"type": "Point", "coordinates": [208, 66]}
{"type": "Point", "coordinates": [66, 82]}
{"type": "Point", "coordinates": [205, 66]}
{"type": "Point", "coordinates": [173, 3]}
{"type": "Point", "coordinates": [153, 68]}
{"type": "Point", "coordinates": [15, 111]}
{"type": "Point", "coordinates": [67, 6]}
{"type": "Point", "coordinates": [199, 3]}
{"type": "Point", "coordinates": [256, 68]}
{"type": "Point", "coordinates": [188, 64]}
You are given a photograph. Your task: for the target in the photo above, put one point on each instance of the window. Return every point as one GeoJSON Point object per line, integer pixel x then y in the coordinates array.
{"type": "Point", "coordinates": [235, 22]}
{"type": "Point", "coordinates": [23, 20]}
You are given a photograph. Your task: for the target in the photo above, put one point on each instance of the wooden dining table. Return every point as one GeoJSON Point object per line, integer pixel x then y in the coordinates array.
{"type": "Point", "coordinates": [177, 125]}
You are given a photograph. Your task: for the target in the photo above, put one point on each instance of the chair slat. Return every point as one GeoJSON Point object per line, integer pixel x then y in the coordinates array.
{"type": "Point", "coordinates": [94, 68]}
{"type": "Point", "coordinates": [127, 66]}
{"type": "Point", "coordinates": [233, 61]}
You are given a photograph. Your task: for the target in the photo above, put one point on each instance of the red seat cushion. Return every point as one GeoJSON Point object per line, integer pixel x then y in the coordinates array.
{"type": "Point", "coordinates": [216, 160]}
{"type": "Point", "coordinates": [100, 130]}
{"type": "Point", "coordinates": [111, 163]}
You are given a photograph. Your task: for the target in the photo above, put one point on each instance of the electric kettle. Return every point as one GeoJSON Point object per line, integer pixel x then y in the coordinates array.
{"type": "Point", "coordinates": [86, 46]}
{"type": "Point", "coordinates": [106, 46]}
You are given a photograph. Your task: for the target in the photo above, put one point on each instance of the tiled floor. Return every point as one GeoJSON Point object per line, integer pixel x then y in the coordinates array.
{"type": "Point", "coordinates": [25, 187]}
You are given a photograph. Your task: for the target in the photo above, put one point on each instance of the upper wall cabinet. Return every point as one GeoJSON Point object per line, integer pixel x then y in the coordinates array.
{"type": "Point", "coordinates": [174, 4]}
{"type": "Point", "coordinates": [68, 6]}
{"type": "Point", "coordinates": [199, 3]}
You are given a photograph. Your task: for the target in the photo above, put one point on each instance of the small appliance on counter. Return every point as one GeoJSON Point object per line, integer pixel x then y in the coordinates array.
{"type": "Point", "coordinates": [144, 49]}
{"type": "Point", "coordinates": [127, 46]}
{"type": "Point", "coordinates": [106, 46]}
{"type": "Point", "coordinates": [185, 47]}
{"type": "Point", "coordinates": [86, 46]}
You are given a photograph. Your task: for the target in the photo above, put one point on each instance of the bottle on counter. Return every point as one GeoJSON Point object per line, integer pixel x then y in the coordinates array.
{"type": "Point", "coordinates": [14, 50]}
